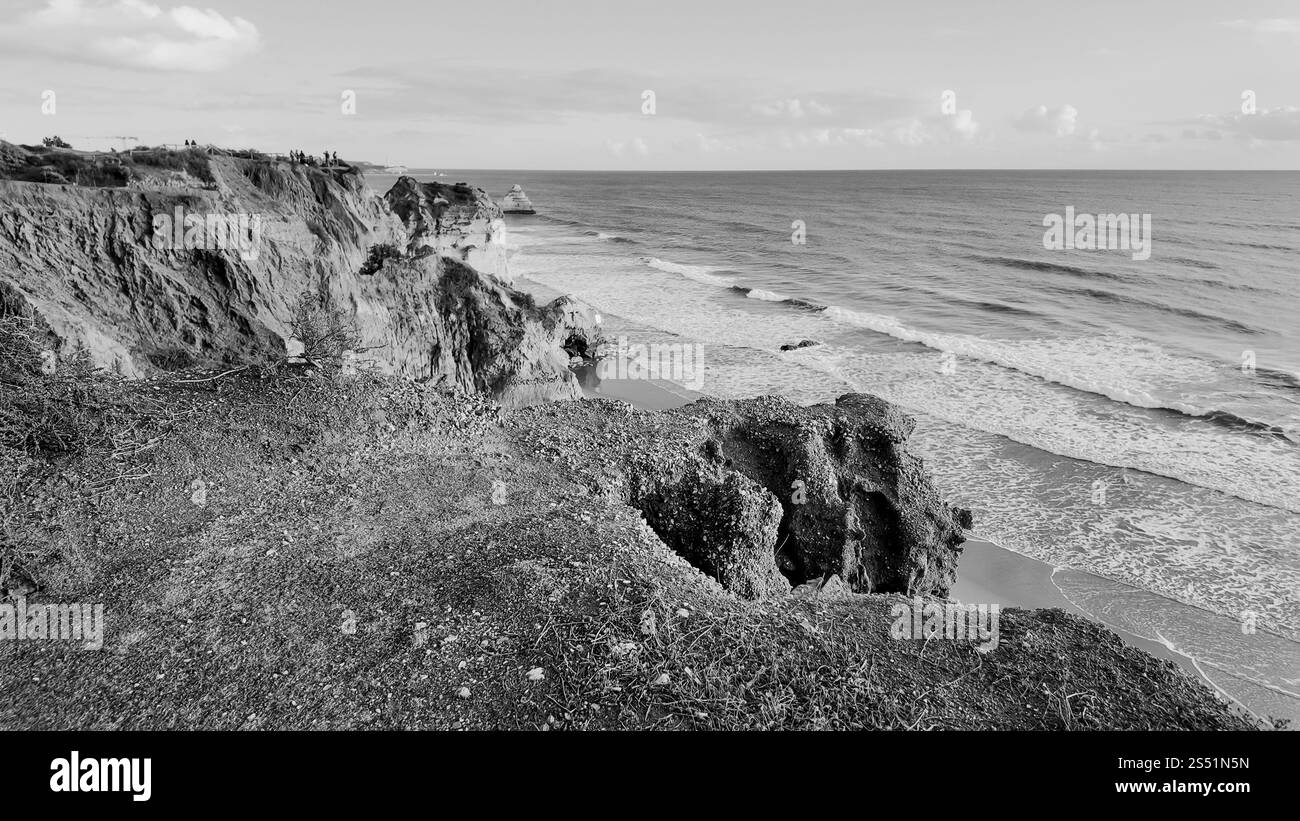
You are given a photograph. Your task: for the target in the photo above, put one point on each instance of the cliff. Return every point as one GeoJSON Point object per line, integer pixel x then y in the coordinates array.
{"type": "Point", "coordinates": [457, 220]}
{"type": "Point", "coordinates": [158, 267]}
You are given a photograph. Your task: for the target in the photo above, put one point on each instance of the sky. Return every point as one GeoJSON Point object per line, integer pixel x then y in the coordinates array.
{"type": "Point", "coordinates": [670, 84]}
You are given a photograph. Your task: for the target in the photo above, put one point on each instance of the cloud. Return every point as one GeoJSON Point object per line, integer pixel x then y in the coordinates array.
{"type": "Point", "coordinates": [917, 131]}
{"type": "Point", "coordinates": [1096, 142]}
{"type": "Point", "coordinates": [963, 123]}
{"type": "Point", "coordinates": [907, 132]}
{"type": "Point", "coordinates": [1060, 121]}
{"type": "Point", "coordinates": [1267, 25]}
{"type": "Point", "coordinates": [133, 34]}
{"type": "Point", "coordinates": [722, 104]}
{"type": "Point", "coordinates": [1280, 124]}
{"type": "Point", "coordinates": [712, 145]}
{"type": "Point", "coordinates": [723, 116]}
{"type": "Point", "coordinates": [792, 109]}
{"type": "Point", "coordinates": [620, 148]}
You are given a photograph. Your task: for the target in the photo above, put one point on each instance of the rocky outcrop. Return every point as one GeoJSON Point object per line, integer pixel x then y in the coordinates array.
{"type": "Point", "coordinates": [491, 338]}
{"type": "Point", "coordinates": [116, 270]}
{"type": "Point", "coordinates": [460, 221]}
{"type": "Point", "coordinates": [764, 495]}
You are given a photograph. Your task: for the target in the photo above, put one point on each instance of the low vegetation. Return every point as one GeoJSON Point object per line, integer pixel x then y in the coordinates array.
{"type": "Point", "coordinates": [57, 163]}
{"type": "Point", "coordinates": [378, 257]}
{"type": "Point", "coordinates": [327, 333]}
{"type": "Point", "coordinates": [53, 410]}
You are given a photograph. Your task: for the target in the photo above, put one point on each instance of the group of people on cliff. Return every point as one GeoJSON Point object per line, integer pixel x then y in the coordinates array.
{"type": "Point", "coordinates": [328, 158]}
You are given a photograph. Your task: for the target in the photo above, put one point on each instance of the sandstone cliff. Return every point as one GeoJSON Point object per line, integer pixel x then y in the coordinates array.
{"type": "Point", "coordinates": [92, 265]}
{"type": "Point", "coordinates": [457, 220]}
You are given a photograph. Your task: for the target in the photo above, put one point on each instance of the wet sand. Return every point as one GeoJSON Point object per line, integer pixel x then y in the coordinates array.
{"type": "Point", "coordinates": [1158, 625]}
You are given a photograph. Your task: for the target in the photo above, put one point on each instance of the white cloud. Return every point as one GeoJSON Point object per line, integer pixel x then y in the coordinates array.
{"type": "Point", "coordinates": [911, 132]}
{"type": "Point", "coordinates": [134, 34]}
{"type": "Point", "coordinates": [1060, 121]}
{"type": "Point", "coordinates": [791, 109]}
{"type": "Point", "coordinates": [711, 145]}
{"type": "Point", "coordinates": [636, 145]}
{"type": "Point", "coordinates": [908, 132]}
{"type": "Point", "coordinates": [1269, 124]}
{"type": "Point", "coordinates": [207, 24]}
{"type": "Point", "coordinates": [1267, 25]}
{"type": "Point", "coordinates": [1095, 141]}
{"type": "Point", "coordinates": [963, 123]}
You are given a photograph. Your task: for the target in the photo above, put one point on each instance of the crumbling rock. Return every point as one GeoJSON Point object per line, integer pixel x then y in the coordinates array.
{"type": "Point", "coordinates": [765, 495]}
{"type": "Point", "coordinates": [459, 221]}
{"type": "Point", "coordinates": [718, 520]}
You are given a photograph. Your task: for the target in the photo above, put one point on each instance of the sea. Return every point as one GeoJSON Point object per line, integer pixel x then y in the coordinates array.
{"type": "Point", "coordinates": [1129, 416]}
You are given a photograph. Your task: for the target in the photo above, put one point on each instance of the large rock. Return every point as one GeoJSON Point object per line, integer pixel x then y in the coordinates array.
{"type": "Point", "coordinates": [458, 220]}
{"type": "Point", "coordinates": [764, 495]}
{"type": "Point", "coordinates": [494, 339]}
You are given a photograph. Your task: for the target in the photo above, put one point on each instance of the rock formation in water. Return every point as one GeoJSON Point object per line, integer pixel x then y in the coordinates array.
{"type": "Point", "coordinates": [114, 268]}
{"type": "Point", "coordinates": [516, 202]}
{"type": "Point", "coordinates": [803, 343]}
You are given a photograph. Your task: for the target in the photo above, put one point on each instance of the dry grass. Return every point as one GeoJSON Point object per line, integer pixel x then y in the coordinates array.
{"type": "Point", "coordinates": [54, 412]}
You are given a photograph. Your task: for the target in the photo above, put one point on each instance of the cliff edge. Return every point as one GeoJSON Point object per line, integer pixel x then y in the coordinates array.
{"type": "Point", "coordinates": [157, 267]}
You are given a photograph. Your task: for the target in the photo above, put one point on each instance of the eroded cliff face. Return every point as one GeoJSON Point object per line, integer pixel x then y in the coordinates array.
{"type": "Point", "coordinates": [119, 271]}
{"type": "Point", "coordinates": [458, 221]}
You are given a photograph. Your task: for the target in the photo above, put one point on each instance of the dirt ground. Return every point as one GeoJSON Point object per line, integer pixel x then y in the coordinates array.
{"type": "Point", "coordinates": [296, 552]}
